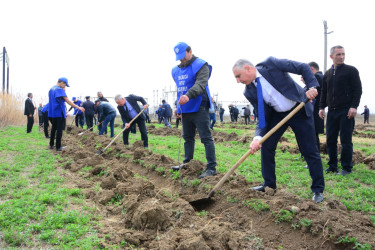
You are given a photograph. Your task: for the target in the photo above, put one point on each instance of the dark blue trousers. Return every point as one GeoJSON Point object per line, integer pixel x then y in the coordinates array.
{"type": "Point", "coordinates": [338, 122]}
{"type": "Point", "coordinates": [191, 122]}
{"type": "Point", "coordinates": [142, 129]}
{"type": "Point", "coordinates": [304, 130]}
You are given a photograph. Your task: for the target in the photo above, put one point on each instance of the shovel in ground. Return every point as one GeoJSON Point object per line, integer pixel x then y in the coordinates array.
{"type": "Point", "coordinates": [70, 127]}
{"type": "Point", "coordinates": [99, 152]}
{"type": "Point", "coordinates": [202, 202]}
{"type": "Point", "coordinates": [84, 132]}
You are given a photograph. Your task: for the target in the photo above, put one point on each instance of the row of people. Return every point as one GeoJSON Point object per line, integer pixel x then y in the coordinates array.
{"type": "Point", "coordinates": [271, 91]}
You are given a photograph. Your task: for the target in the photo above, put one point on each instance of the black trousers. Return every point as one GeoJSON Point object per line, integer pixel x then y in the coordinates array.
{"type": "Point", "coordinates": [142, 128]}
{"type": "Point", "coordinates": [46, 123]}
{"type": "Point", "coordinates": [89, 121]}
{"type": "Point", "coordinates": [30, 123]}
{"type": "Point", "coordinates": [58, 124]}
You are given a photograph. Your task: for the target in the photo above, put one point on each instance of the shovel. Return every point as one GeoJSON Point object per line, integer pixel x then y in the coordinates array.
{"type": "Point", "coordinates": [70, 127]}
{"type": "Point", "coordinates": [199, 203]}
{"type": "Point", "coordinates": [88, 129]}
{"type": "Point", "coordinates": [99, 152]}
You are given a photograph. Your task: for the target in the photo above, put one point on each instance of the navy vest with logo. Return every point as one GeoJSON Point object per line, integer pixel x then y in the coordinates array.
{"type": "Point", "coordinates": [185, 79]}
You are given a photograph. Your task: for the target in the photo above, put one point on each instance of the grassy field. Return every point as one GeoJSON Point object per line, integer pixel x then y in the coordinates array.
{"type": "Point", "coordinates": [39, 210]}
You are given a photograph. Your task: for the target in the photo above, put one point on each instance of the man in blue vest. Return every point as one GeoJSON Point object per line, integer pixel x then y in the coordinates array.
{"type": "Point", "coordinates": [78, 113]}
{"type": "Point", "coordinates": [57, 111]}
{"type": "Point", "coordinates": [193, 95]}
{"type": "Point", "coordinates": [45, 120]}
{"type": "Point", "coordinates": [269, 85]}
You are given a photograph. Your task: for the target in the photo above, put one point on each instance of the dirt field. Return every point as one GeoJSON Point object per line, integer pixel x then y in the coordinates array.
{"type": "Point", "coordinates": [143, 207]}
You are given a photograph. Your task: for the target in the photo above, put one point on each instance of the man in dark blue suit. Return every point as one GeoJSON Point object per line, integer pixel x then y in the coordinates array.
{"type": "Point", "coordinates": [129, 109]}
{"type": "Point", "coordinates": [281, 94]}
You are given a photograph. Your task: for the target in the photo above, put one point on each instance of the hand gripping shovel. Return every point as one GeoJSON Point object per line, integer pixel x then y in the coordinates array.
{"type": "Point", "coordinates": [200, 203]}
{"type": "Point", "coordinates": [84, 132]}
{"type": "Point", "coordinates": [99, 152]}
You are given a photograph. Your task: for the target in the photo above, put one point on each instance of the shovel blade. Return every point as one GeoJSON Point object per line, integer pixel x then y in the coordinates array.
{"type": "Point", "coordinates": [99, 152]}
{"type": "Point", "coordinates": [201, 204]}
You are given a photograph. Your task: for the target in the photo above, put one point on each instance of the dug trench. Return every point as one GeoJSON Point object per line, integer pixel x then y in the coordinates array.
{"type": "Point", "coordinates": [144, 205]}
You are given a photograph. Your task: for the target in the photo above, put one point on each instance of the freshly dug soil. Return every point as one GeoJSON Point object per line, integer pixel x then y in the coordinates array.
{"type": "Point", "coordinates": [143, 205]}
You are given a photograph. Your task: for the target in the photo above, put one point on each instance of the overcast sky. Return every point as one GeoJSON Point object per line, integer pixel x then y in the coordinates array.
{"type": "Point", "coordinates": [127, 46]}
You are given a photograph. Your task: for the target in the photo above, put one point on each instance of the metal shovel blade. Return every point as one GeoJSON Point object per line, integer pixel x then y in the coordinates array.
{"type": "Point", "coordinates": [202, 203]}
{"type": "Point", "coordinates": [99, 152]}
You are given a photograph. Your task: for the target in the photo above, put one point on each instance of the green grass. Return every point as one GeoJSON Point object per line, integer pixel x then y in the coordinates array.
{"type": "Point", "coordinates": [355, 191]}
{"type": "Point", "coordinates": [35, 205]}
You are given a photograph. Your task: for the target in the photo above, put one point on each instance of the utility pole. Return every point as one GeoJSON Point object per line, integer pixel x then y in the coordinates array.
{"type": "Point", "coordinates": [325, 44]}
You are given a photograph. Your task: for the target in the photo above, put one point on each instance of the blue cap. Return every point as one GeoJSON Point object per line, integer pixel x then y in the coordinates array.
{"type": "Point", "coordinates": [180, 50]}
{"type": "Point", "coordinates": [73, 99]}
{"type": "Point", "coordinates": [64, 79]}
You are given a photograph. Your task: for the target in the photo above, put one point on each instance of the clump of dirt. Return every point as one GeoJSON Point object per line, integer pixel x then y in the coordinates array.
{"type": "Point", "coordinates": [145, 205]}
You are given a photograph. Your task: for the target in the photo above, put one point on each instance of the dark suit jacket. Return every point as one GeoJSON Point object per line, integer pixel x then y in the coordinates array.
{"type": "Point", "coordinates": [132, 99]}
{"type": "Point", "coordinates": [29, 107]}
{"type": "Point", "coordinates": [276, 72]}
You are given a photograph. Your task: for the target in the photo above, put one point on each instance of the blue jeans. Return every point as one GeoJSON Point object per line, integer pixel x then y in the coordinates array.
{"type": "Point", "coordinates": [166, 121]}
{"type": "Point", "coordinates": [221, 117]}
{"type": "Point", "coordinates": [338, 122]}
{"type": "Point", "coordinates": [212, 120]}
{"type": "Point", "coordinates": [191, 122]}
{"type": "Point", "coordinates": [110, 118]}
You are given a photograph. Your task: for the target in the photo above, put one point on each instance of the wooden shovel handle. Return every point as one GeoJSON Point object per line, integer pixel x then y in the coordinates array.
{"type": "Point", "coordinates": [114, 139]}
{"type": "Point", "coordinates": [265, 137]}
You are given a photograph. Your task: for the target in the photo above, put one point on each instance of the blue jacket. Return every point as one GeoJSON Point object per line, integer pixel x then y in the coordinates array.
{"type": "Point", "coordinates": [105, 109]}
{"type": "Point", "coordinates": [166, 110]}
{"type": "Point", "coordinates": [276, 72]}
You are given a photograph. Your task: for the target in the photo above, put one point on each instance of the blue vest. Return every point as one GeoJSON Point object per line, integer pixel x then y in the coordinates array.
{"type": "Point", "coordinates": [185, 79]}
{"type": "Point", "coordinates": [56, 107]}
{"type": "Point", "coordinates": [77, 111]}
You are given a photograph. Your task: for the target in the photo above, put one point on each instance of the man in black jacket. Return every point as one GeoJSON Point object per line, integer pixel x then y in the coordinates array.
{"type": "Point", "coordinates": [319, 123]}
{"type": "Point", "coordinates": [129, 109]}
{"type": "Point", "coordinates": [341, 92]}
{"type": "Point", "coordinates": [90, 109]}
{"type": "Point", "coordinates": [29, 112]}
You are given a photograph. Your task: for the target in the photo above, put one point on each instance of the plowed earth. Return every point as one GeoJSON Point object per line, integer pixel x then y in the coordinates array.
{"type": "Point", "coordinates": [142, 205]}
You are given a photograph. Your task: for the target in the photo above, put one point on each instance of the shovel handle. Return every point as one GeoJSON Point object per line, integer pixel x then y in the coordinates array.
{"type": "Point", "coordinates": [114, 139]}
{"type": "Point", "coordinates": [88, 129]}
{"type": "Point", "coordinates": [264, 138]}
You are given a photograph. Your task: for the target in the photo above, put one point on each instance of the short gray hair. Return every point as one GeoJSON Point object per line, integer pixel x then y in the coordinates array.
{"type": "Point", "coordinates": [241, 63]}
{"type": "Point", "coordinates": [118, 97]}
{"type": "Point", "coordinates": [99, 92]}
{"type": "Point", "coordinates": [332, 51]}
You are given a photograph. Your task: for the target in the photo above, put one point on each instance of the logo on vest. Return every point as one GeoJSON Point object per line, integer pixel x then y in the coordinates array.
{"type": "Point", "coordinates": [176, 50]}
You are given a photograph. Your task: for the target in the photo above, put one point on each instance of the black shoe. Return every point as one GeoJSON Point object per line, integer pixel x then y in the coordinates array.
{"type": "Point", "coordinates": [208, 172]}
{"type": "Point", "coordinates": [261, 188]}
{"type": "Point", "coordinates": [317, 197]}
{"type": "Point", "coordinates": [50, 147]}
{"type": "Point", "coordinates": [344, 172]}
{"type": "Point", "coordinates": [47, 137]}
{"type": "Point", "coordinates": [60, 148]}
{"type": "Point", "coordinates": [178, 167]}
{"type": "Point", "coordinates": [329, 169]}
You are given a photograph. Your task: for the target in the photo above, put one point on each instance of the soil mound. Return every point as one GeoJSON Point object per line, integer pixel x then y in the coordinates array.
{"type": "Point", "coordinates": [147, 206]}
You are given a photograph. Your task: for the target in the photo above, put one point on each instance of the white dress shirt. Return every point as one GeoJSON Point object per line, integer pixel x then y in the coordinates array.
{"type": "Point", "coordinates": [273, 97]}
